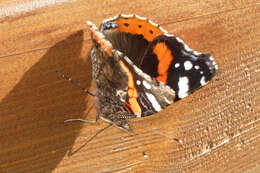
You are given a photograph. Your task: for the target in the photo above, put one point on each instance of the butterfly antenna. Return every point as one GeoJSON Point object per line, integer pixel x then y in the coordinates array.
{"type": "Point", "coordinates": [74, 82]}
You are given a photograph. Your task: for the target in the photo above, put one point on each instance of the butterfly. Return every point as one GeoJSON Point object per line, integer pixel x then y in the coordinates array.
{"type": "Point", "coordinates": [139, 69]}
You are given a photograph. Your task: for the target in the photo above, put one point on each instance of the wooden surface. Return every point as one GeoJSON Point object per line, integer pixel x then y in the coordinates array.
{"type": "Point", "coordinates": [218, 126]}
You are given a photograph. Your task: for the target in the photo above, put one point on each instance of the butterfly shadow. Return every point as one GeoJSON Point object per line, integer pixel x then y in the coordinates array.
{"type": "Point", "coordinates": [33, 134]}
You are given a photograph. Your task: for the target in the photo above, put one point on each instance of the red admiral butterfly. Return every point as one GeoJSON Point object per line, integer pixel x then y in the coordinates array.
{"type": "Point", "coordinates": [139, 69]}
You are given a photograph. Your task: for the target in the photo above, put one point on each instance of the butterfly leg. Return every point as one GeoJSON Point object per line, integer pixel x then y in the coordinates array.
{"type": "Point", "coordinates": [83, 120]}
{"type": "Point", "coordinates": [84, 90]}
{"type": "Point", "coordinates": [119, 119]}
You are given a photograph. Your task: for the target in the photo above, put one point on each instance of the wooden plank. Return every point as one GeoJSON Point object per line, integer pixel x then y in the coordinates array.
{"type": "Point", "coordinates": [218, 126]}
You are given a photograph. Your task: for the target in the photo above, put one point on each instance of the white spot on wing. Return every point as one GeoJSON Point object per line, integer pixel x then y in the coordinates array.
{"type": "Point", "coordinates": [197, 67]}
{"type": "Point", "coordinates": [146, 85]}
{"type": "Point", "coordinates": [177, 65]}
{"type": "Point", "coordinates": [154, 102]}
{"type": "Point", "coordinates": [213, 62]}
{"type": "Point", "coordinates": [188, 65]}
{"type": "Point", "coordinates": [138, 82]}
{"type": "Point", "coordinates": [202, 81]}
{"type": "Point", "coordinates": [183, 85]}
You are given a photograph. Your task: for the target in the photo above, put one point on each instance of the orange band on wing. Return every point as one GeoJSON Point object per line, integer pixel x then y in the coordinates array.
{"type": "Point", "coordinates": [138, 26]}
{"type": "Point", "coordinates": [165, 58]}
{"type": "Point", "coordinates": [132, 91]}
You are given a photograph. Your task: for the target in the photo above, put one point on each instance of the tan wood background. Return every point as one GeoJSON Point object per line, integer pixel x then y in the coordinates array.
{"type": "Point", "coordinates": [218, 126]}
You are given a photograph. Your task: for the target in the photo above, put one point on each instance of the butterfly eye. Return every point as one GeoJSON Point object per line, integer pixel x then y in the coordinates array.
{"type": "Point", "coordinates": [110, 25]}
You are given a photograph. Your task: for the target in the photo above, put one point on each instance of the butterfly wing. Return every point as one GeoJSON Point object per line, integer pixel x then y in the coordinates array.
{"type": "Point", "coordinates": [130, 34]}
{"type": "Point", "coordinates": [172, 62]}
{"type": "Point", "coordinates": [160, 55]}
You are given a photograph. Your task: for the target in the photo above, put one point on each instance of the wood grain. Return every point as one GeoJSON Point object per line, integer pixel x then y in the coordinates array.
{"type": "Point", "coordinates": [217, 127]}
